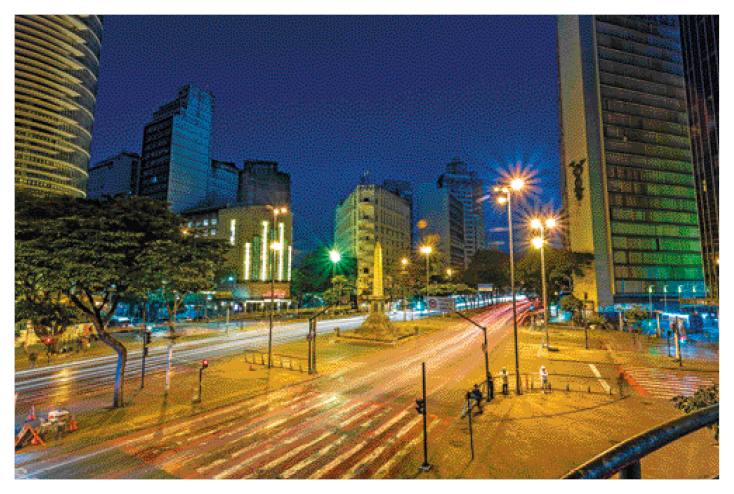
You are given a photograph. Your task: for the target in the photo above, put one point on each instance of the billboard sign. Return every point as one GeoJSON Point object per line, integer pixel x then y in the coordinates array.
{"type": "Point", "coordinates": [485, 288]}
{"type": "Point", "coordinates": [440, 304]}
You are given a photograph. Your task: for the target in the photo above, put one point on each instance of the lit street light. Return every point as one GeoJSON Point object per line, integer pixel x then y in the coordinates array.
{"type": "Point", "coordinates": [515, 185]}
{"type": "Point", "coordinates": [404, 262]}
{"type": "Point", "coordinates": [275, 246]}
{"type": "Point", "coordinates": [335, 258]}
{"type": "Point", "coordinates": [427, 249]}
{"type": "Point", "coordinates": [539, 243]}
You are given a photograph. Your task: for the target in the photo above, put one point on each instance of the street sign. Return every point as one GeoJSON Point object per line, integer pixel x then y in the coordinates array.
{"type": "Point", "coordinates": [485, 288]}
{"type": "Point", "coordinates": [441, 304]}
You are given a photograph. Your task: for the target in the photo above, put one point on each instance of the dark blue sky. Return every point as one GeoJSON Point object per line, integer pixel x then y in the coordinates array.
{"type": "Point", "coordinates": [332, 97]}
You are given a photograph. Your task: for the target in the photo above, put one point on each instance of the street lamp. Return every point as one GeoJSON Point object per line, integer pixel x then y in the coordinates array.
{"type": "Point", "coordinates": [275, 246]}
{"type": "Point", "coordinates": [404, 262]}
{"type": "Point", "coordinates": [649, 292]}
{"type": "Point", "coordinates": [515, 185]}
{"type": "Point", "coordinates": [335, 258]}
{"type": "Point", "coordinates": [665, 297]}
{"type": "Point", "coordinates": [539, 243]}
{"type": "Point", "coordinates": [427, 249]}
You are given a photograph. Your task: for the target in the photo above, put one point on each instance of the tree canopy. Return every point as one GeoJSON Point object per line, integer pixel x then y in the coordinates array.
{"type": "Point", "coordinates": [560, 267]}
{"type": "Point", "coordinates": [89, 254]}
{"type": "Point", "coordinates": [488, 267]}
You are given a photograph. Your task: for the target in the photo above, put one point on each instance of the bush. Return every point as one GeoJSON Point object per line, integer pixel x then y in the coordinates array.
{"type": "Point", "coordinates": [705, 396]}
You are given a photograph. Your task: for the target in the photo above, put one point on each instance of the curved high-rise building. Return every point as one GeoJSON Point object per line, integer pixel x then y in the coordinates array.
{"type": "Point", "coordinates": [56, 69]}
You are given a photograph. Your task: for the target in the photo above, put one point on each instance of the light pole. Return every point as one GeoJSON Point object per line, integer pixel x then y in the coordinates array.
{"type": "Point", "coordinates": [404, 262]}
{"type": "Point", "coordinates": [335, 257]}
{"type": "Point", "coordinates": [649, 293]}
{"type": "Point", "coordinates": [539, 243]}
{"type": "Point", "coordinates": [515, 185]}
{"type": "Point", "coordinates": [274, 246]}
{"type": "Point", "coordinates": [665, 297]}
{"type": "Point", "coordinates": [427, 249]}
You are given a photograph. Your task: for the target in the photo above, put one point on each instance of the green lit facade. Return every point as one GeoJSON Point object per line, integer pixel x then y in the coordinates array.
{"type": "Point", "coordinates": [628, 178]}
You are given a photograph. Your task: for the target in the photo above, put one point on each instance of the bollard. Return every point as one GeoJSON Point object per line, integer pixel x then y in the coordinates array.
{"type": "Point", "coordinates": [567, 390]}
{"type": "Point", "coordinates": [589, 388]}
{"type": "Point", "coordinates": [336, 330]}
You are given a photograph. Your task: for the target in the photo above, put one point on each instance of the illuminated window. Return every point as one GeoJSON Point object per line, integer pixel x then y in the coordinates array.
{"type": "Point", "coordinates": [232, 231]}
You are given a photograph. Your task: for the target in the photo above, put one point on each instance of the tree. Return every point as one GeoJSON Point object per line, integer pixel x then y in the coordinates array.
{"type": "Point", "coordinates": [571, 304]}
{"type": "Point", "coordinates": [561, 266]}
{"type": "Point", "coordinates": [596, 320]}
{"type": "Point", "coordinates": [313, 273]}
{"type": "Point", "coordinates": [341, 288]}
{"type": "Point", "coordinates": [702, 398]}
{"type": "Point", "coordinates": [487, 267]}
{"type": "Point", "coordinates": [93, 253]}
{"type": "Point", "coordinates": [634, 316]}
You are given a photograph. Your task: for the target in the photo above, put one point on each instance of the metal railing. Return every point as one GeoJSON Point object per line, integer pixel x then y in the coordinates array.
{"type": "Point", "coordinates": [286, 362]}
{"type": "Point", "coordinates": [625, 457]}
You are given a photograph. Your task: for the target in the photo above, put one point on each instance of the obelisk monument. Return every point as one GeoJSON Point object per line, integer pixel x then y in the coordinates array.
{"type": "Point", "coordinates": [377, 324]}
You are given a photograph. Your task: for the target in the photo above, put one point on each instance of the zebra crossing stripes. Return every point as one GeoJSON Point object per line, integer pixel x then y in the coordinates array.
{"type": "Point", "coordinates": [660, 383]}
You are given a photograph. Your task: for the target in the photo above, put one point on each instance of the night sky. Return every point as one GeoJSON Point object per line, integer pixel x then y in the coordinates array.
{"type": "Point", "coordinates": [330, 98]}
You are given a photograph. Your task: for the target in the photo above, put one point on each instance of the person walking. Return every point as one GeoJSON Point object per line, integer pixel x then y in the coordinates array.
{"type": "Point", "coordinates": [543, 378]}
{"type": "Point", "coordinates": [505, 380]}
{"type": "Point", "coordinates": [32, 360]}
{"type": "Point", "coordinates": [477, 396]}
{"type": "Point", "coordinates": [490, 387]}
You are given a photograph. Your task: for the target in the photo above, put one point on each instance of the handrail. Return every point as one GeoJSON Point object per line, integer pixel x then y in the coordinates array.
{"type": "Point", "coordinates": [626, 455]}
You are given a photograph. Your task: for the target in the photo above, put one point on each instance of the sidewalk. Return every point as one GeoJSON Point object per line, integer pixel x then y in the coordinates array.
{"type": "Point", "coordinates": [544, 435]}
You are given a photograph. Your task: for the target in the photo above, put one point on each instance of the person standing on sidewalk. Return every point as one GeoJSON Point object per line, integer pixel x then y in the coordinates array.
{"type": "Point", "coordinates": [490, 387]}
{"type": "Point", "coordinates": [32, 360]}
{"type": "Point", "coordinates": [476, 394]}
{"type": "Point", "coordinates": [543, 378]}
{"type": "Point", "coordinates": [504, 380]}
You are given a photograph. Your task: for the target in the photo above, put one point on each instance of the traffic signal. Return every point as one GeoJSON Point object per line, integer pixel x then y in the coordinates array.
{"type": "Point", "coordinates": [48, 341]}
{"type": "Point", "coordinates": [146, 337]}
{"type": "Point", "coordinates": [204, 364]}
{"type": "Point", "coordinates": [421, 406]}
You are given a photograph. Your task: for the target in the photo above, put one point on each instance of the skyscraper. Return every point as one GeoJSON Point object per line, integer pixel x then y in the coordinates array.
{"type": "Point", "coordinates": [116, 175]}
{"type": "Point", "coordinates": [441, 223]}
{"type": "Point", "coordinates": [402, 188]}
{"type": "Point", "coordinates": [468, 189]}
{"type": "Point", "coordinates": [260, 183]}
{"type": "Point", "coordinates": [56, 69]}
{"type": "Point", "coordinates": [700, 42]}
{"type": "Point", "coordinates": [625, 150]}
{"type": "Point", "coordinates": [176, 155]}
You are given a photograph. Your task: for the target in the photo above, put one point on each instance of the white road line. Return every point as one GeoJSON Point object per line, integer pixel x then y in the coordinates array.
{"type": "Point", "coordinates": [378, 451]}
{"type": "Point", "coordinates": [385, 468]}
{"type": "Point", "coordinates": [599, 378]}
{"type": "Point", "coordinates": [388, 424]}
{"type": "Point", "coordinates": [290, 455]}
{"type": "Point", "coordinates": [361, 414]}
{"type": "Point", "coordinates": [306, 462]}
{"type": "Point", "coordinates": [327, 468]}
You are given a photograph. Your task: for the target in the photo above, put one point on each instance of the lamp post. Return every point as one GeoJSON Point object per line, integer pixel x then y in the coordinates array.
{"type": "Point", "coordinates": [649, 292]}
{"type": "Point", "coordinates": [427, 249]}
{"type": "Point", "coordinates": [515, 185]}
{"type": "Point", "coordinates": [539, 243]}
{"type": "Point", "coordinates": [274, 246]}
{"type": "Point", "coordinates": [335, 257]}
{"type": "Point", "coordinates": [404, 262]}
{"type": "Point", "coordinates": [665, 297]}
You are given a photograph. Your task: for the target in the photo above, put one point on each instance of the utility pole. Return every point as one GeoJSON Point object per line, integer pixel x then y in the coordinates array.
{"type": "Point", "coordinates": [146, 341]}
{"type": "Point", "coordinates": [422, 409]}
{"type": "Point", "coordinates": [485, 349]}
{"type": "Point", "coordinates": [514, 298]}
{"type": "Point", "coordinates": [469, 406]}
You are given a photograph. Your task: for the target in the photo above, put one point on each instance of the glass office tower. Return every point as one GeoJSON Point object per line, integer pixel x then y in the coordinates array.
{"type": "Point", "coordinates": [176, 157]}
{"type": "Point", "coordinates": [56, 69]}
{"type": "Point", "coordinates": [627, 173]}
{"type": "Point", "coordinates": [700, 42]}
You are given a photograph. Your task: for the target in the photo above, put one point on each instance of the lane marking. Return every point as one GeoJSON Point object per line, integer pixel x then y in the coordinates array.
{"type": "Point", "coordinates": [599, 378]}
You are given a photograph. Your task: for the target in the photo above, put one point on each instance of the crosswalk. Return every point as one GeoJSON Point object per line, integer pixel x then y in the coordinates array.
{"type": "Point", "coordinates": [319, 437]}
{"type": "Point", "coordinates": [665, 384]}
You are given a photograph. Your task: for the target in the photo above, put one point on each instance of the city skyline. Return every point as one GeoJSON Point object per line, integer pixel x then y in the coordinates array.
{"type": "Point", "coordinates": [440, 102]}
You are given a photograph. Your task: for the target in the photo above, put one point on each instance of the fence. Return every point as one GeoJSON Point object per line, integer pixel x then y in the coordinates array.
{"type": "Point", "coordinates": [287, 362]}
{"type": "Point", "coordinates": [567, 383]}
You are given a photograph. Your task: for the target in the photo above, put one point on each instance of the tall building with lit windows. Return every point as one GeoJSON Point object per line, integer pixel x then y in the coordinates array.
{"type": "Point", "coordinates": [627, 172]}
{"type": "Point", "coordinates": [249, 231]}
{"type": "Point", "coordinates": [372, 214]}
{"type": "Point", "coordinates": [56, 69]}
{"type": "Point", "coordinates": [700, 42]}
{"type": "Point", "coordinates": [176, 157]}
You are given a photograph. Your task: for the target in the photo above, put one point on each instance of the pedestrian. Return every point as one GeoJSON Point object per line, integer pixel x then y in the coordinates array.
{"type": "Point", "coordinates": [505, 381]}
{"type": "Point", "coordinates": [79, 344]}
{"type": "Point", "coordinates": [543, 378]}
{"type": "Point", "coordinates": [32, 360]}
{"type": "Point", "coordinates": [490, 387]}
{"type": "Point", "coordinates": [477, 396]}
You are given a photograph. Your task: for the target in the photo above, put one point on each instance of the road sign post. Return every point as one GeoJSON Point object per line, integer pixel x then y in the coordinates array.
{"type": "Point", "coordinates": [469, 406]}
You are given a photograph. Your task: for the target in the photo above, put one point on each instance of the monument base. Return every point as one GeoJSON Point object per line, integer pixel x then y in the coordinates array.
{"type": "Point", "coordinates": [377, 326]}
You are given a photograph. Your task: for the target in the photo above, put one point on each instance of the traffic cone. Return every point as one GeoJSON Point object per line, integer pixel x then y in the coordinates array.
{"type": "Point", "coordinates": [32, 415]}
{"type": "Point", "coordinates": [72, 424]}
{"type": "Point", "coordinates": [34, 441]}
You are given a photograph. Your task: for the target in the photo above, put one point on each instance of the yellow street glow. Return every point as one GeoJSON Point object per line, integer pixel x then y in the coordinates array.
{"type": "Point", "coordinates": [550, 222]}
{"type": "Point", "coordinates": [517, 184]}
{"type": "Point", "coordinates": [535, 223]}
{"type": "Point", "coordinates": [426, 250]}
{"type": "Point", "coordinates": [502, 200]}
{"type": "Point", "coordinates": [334, 256]}
{"type": "Point", "coordinates": [537, 242]}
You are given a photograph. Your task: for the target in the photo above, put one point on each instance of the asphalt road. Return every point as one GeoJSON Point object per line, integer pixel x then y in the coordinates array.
{"type": "Point", "coordinates": [68, 381]}
{"type": "Point", "coordinates": [359, 422]}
